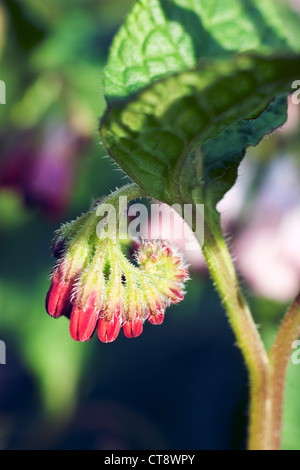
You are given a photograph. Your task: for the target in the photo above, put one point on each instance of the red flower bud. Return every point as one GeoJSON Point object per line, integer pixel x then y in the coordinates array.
{"type": "Point", "coordinates": [176, 296]}
{"type": "Point", "coordinates": [157, 318]}
{"type": "Point", "coordinates": [181, 275]}
{"type": "Point", "coordinates": [83, 320]}
{"type": "Point", "coordinates": [109, 330]}
{"type": "Point", "coordinates": [58, 296]}
{"type": "Point", "coordinates": [133, 329]}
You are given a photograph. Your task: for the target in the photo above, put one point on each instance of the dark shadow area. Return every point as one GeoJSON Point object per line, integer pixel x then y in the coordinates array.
{"type": "Point", "coordinates": [204, 44]}
{"type": "Point", "coordinates": [266, 33]}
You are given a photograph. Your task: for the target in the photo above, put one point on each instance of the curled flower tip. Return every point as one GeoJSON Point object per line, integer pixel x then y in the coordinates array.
{"type": "Point", "coordinates": [165, 262]}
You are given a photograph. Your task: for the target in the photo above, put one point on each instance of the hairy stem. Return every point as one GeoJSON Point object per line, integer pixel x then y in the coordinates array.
{"type": "Point", "coordinates": [279, 357]}
{"type": "Point", "coordinates": [223, 273]}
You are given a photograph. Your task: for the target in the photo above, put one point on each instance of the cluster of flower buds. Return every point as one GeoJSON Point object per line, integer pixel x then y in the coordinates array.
{"type": "Point", "coordinates": [98, 288]}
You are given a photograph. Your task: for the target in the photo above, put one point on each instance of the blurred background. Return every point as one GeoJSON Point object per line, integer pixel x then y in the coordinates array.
{"type": "Point", "coordinates": [182, 385]}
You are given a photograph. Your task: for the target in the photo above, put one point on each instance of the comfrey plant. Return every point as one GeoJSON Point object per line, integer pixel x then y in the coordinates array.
{"type": "Point", "coordinates": [189, 85]}
{"type": "Point", "coordinates": [96, 285]}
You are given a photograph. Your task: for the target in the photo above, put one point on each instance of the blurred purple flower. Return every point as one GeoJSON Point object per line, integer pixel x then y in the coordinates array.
{"type": "Point", "coordinates": [43, 169]}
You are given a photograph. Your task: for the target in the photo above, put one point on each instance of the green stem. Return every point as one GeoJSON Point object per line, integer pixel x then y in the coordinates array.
{"type": "Point", "coordinates": [223, 273]}
{"type": "Point", "coordinates": [129, 191]}
{"type": "Point", "coordinates": [267, 372]}
{"type": "Point", "coordinates": [279, 357]}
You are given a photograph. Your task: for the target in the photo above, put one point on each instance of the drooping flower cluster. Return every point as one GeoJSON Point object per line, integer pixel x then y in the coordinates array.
{"type": "Point", "coordinates": [98, 288]}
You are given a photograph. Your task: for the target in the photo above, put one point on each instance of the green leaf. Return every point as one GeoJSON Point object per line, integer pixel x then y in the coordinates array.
{"type": "Point", "coordinates": [182, 105]}
{"type": "Point", "coordinates": [164, 36]}
{"type": "Point", "coordinates": [220, 108]}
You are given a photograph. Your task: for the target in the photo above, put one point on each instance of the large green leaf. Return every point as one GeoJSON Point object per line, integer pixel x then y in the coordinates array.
{"type": "Point", "coordinates": [154, 133]}
{"type": "Point", "coordinates": [164, 36]}
{"type": "Point", "coordinates": [185, 100]}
